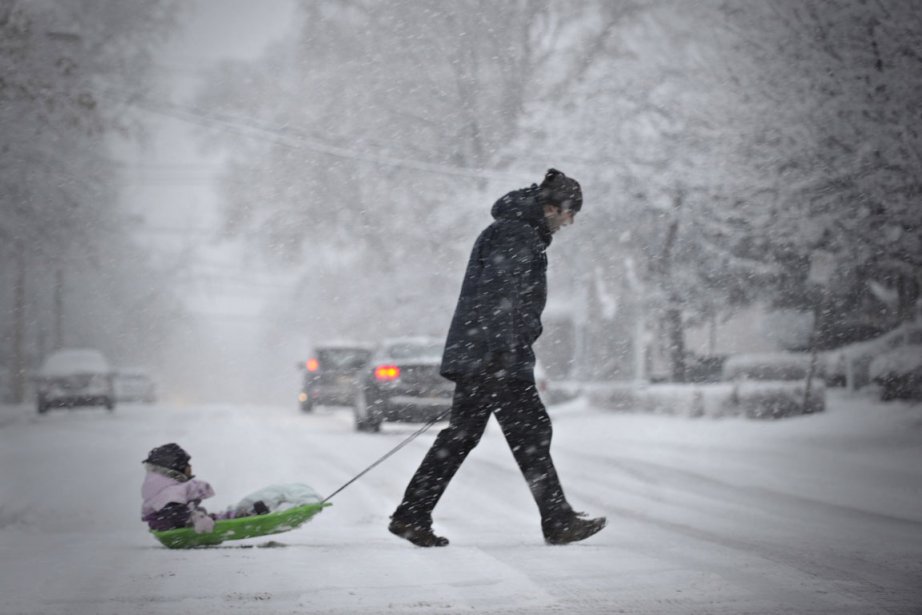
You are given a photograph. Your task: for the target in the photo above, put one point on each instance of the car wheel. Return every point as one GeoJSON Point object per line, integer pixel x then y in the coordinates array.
{"type": "Point", "coordinates": [360, 409]}
{"type": "Point", "coordinates": [373, 425]}
{"type": "Point", "coordinates": [110, 404]}
{"type": "Point", "coordinates": [308, 404]}
{"type": "Point", "coordinates": [363, 413]}
{"type": "Point", "coordinates": [42, 406]}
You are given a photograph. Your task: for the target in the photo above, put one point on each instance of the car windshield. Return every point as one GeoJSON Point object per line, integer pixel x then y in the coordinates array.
{"type": "Point", "coordinates": [414, 350]}
{"type": "Point", "coordinates": [333, 358]}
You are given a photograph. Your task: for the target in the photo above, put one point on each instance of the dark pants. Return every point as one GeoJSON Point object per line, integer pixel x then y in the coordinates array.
{"type": "Point", "coordinates": [527, 428]}
{"type": "Point", "coordinates": [172, 516]}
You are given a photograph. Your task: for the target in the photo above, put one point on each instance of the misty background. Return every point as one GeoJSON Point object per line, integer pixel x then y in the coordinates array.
{"type": "Point", "coordinates": [207, 189]}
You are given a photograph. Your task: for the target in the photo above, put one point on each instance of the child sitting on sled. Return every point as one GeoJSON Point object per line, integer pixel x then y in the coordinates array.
{"type": "Point", "coordinates": [172, 496]}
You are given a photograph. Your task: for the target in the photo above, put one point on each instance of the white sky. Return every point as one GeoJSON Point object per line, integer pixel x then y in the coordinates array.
{"type": "Point", "coordinates": [169, 182]}
{"type": "Point", "coordinates": [169, 190]}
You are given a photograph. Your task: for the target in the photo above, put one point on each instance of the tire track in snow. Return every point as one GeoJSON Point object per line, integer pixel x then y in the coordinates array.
{"type": "Point", "coordinates": [830, 560]}
{"type": "Point", "coordinates": [870, 582]}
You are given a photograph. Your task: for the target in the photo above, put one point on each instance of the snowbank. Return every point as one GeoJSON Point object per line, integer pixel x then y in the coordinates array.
{"type": "Point", "coordinates": [902, 361]}
{"type": "Point", "coordinates": [754, 399]}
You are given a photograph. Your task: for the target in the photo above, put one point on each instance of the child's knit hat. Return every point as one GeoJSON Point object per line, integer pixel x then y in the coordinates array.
{"type": "Point", "coordinates": [170, 456]}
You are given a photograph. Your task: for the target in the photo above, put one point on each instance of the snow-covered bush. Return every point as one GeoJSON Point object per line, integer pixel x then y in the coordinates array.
{"type": "Point", "coordinates": [778, 398]}
{"type": "Point", "coordinates": [692, 400]}
{"type": "Point", "coordinates": [753, 399]}
{"type": "Point", "coordinates": [614, 395]}
{"type": "Point", "coordinates": [899, 373]}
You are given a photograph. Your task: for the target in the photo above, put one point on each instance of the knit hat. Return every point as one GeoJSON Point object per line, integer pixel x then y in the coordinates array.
{"type": "Point", "coordinates": [558, 189]}
{"type": "Point", "coordinates": [170, 456]}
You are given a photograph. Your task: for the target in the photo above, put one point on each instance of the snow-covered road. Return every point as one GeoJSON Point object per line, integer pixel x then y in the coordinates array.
{"type": "Point", "coordinates": [819, 514]}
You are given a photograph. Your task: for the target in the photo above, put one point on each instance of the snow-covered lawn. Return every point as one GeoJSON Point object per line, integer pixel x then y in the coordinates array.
{"type": "Point", "coordinates": [815, 514]}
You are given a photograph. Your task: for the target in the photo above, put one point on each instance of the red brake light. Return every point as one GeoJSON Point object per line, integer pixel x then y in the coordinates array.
{"type": "Point", "coordinates": [312, 365]}
{"type": "Point", "coordinates": [387, 373]}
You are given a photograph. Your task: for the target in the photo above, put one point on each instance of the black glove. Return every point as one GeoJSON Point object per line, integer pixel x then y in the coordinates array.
{"type": "Point", "coordinates": [260, 508]}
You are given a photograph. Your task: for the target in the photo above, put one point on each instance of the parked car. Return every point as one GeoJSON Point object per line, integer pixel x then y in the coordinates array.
{"type": "Point", "coordinates": [899, 373]}
{"type": "Point", "coordinates": [330, 374]}
{"type": "Point", "coordinates": [775, 384]}
{"type": "Point", "coordinates": [75, 377]}
{"type": "Point", "coordinates": [402, 383]}
{"type": "Point", "coordinates": [854, 360]}
{"type": "Point", "coordinates": [135, 384]}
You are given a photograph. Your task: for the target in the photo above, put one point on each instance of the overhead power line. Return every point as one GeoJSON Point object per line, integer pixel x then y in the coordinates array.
{"type": "Point", "coordinates": [292, 137]}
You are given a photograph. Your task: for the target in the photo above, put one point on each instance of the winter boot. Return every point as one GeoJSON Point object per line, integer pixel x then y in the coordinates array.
{"type": "Point", "coordinates": [419, 533]}
{"type": "Point", "coordinates": [570, 529]}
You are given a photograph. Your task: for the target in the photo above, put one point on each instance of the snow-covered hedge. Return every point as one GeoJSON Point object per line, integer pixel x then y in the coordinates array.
{"type": "Point", "coordinates": [771, 366]}
{"type": "Point", "coordinates": [772, 399]}
{"type": "Point", "coordinates": [778, 399]}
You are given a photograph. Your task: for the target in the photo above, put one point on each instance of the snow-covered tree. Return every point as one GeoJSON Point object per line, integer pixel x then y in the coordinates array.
{"type": "Point", "coordinates": [67, 73]}
{"type": "Point", "coordinates": [377, 133]}
{"type": "Point", "coordinates": [651, 130]}
{"type": "Point", "coordinates": [839, 86]}
{"type": "Point", "coordinates": [725, 143]}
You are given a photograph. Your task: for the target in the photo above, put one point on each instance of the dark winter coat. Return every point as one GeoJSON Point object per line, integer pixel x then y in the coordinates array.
{"type": "Point", "coordinates": [498, 316]}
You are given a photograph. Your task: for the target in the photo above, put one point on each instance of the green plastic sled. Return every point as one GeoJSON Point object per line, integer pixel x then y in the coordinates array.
{"type": "Point", "coordinates": [240, 528]}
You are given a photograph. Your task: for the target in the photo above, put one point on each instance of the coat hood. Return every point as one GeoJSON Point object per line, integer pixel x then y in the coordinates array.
{"type": "Point", "coordinates": [523, 205]}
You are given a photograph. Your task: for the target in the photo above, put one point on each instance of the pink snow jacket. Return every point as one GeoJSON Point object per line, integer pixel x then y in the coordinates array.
{"type": "Point", "coordinates": [163, 489]}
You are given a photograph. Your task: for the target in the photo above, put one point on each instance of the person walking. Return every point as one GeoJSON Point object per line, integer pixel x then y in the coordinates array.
{"type": "Point", "coordinates": [488, 354]}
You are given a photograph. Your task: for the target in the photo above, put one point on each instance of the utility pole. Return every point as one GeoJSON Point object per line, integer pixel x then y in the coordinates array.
{"type": "Point", "coordinates": [58, 309]}
{"type": "Point", "coordinates": [712, 332]}
{"type": "Point", "coordinates": [822, 268]}
{"type": "Point", "coordinates": [19, 326]}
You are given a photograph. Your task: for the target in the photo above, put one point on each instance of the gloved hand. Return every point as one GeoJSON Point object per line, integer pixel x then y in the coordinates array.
{"type": "Point", "coordinates": [260, 508]}
{"type": "Point", "coordinates": [202, 521]}
{"type": "Point", "coordinates": [500, 362]}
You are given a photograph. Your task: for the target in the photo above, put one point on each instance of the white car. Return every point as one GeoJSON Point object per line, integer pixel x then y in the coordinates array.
{"type": "Point", "coordinates": [135, 384]}
{"type": "Point", "coordinates": [899, 373]}
{"type": "Point", "coordinates": [75, 377]}
{"type": "Point", "coordinates": [850, 365]}
{"type": "Point", "coordinates": [776, 384]}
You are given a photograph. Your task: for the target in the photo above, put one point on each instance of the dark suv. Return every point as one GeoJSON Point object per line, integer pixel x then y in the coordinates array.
{"type": "Point", "coordinates": [402, 383]}
{"type": "Point", "coordinates": [330, 374]}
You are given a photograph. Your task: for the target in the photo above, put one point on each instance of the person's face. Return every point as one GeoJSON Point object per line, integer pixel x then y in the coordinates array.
{"type": "Point", "coordinates": [558, 217]}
